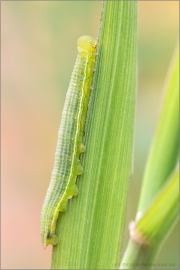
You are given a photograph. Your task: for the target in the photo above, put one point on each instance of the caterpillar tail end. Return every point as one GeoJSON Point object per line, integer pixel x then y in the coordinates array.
{"type": "Point", "coordinates": [52, 240]}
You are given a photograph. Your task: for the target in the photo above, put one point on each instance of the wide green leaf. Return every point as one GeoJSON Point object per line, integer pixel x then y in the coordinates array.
{"type": "Point", "coordinates": [90, 232]}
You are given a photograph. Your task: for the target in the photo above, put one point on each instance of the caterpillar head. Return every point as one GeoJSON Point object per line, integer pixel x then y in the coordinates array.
{"type": "Point", "coordinates": [87, 43]}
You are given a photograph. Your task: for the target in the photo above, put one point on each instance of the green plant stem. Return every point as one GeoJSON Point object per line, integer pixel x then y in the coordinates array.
{"type": "Point", "coordinates": [158, 207]}
{"type": "Point", "coordinates": [164, 150]}
{"type": "Point", "coordinates": [138, 256]}
{"type": "Point", "coordinates": [151, 230]}
{"type": "Point", "coordinates": [90, 231]}
{"type": "Point", "coordinates": [161, 216]}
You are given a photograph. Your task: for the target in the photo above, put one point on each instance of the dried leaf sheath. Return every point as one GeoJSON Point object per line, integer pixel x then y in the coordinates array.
{"type": "Point", "coordinates": [69, 146]}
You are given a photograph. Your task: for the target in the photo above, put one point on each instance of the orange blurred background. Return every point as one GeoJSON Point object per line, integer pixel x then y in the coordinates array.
{"type": "Point", "coordinates": [38, 53]}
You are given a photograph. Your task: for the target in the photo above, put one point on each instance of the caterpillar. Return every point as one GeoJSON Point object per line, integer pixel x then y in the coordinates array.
{"type": "Point", "coordinates": [70, 144]}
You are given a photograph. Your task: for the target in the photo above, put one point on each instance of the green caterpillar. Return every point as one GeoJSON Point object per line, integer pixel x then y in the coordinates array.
{"type": "Point", "coordinates": [69, 146]}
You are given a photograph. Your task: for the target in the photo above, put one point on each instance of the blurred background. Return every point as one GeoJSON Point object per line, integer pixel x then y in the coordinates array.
{"type": "Point", "coordinates": [38, 53]}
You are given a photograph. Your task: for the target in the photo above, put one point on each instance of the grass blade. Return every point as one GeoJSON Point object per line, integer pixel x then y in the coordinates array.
{"type": "Point", "coordinates": [148, 234]}
{"type": "Point", "coordinates": [164, 150]}
{"type": "Point", "coordinates": [90, 231]}
{"type": "Point", "coordinates": [159, 207]}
